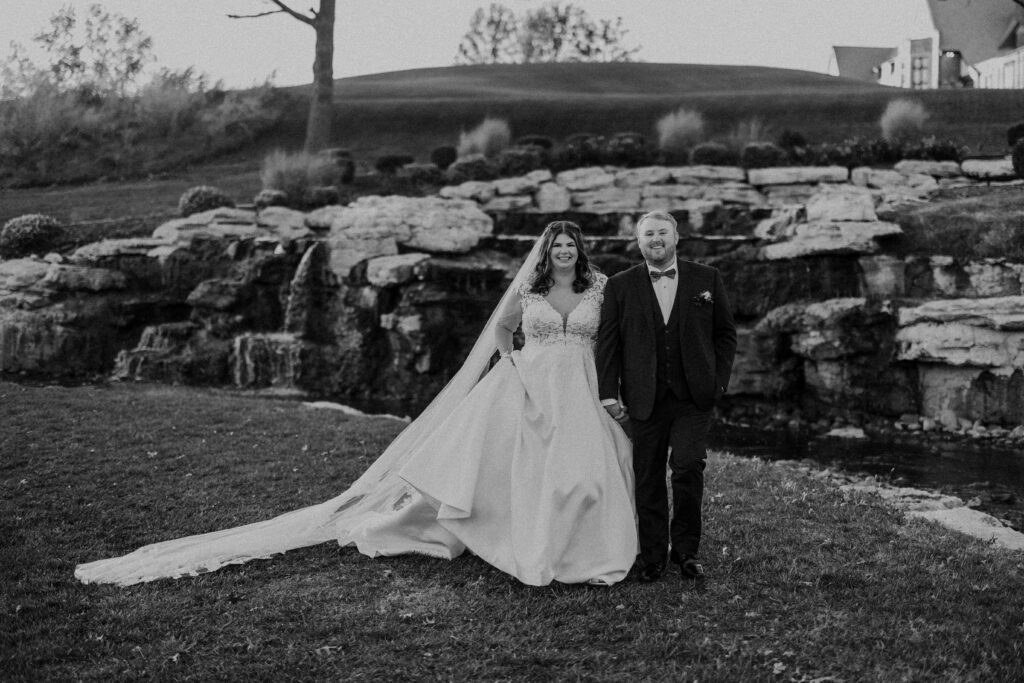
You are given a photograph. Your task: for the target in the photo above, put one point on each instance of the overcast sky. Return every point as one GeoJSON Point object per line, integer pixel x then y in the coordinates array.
{"type": "Point", "coordinates": [374, 36]}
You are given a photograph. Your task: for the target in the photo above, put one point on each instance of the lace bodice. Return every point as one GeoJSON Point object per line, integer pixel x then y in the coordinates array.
{"type": "Point", "coordinates": [544, 326]}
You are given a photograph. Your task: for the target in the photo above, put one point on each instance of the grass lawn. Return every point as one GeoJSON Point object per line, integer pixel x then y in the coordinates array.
{"type": "Point", "coordinates": [806, 583]}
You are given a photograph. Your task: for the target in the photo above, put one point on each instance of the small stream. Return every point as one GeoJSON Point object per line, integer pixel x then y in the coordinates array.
{"type": "Point", "coordinates": [965, 468]}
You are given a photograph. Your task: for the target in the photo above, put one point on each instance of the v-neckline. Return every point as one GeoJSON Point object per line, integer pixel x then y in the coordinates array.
{"type": "Point", "coordinates": [565, 318]}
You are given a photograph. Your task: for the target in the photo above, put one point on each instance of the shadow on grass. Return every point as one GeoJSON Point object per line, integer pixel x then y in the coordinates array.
{"type": "Point", "coordinates": [805, 582]}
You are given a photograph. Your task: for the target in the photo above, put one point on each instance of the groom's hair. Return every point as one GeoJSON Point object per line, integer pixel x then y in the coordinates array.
{"type": "Point", "coordinates": [658, 215]}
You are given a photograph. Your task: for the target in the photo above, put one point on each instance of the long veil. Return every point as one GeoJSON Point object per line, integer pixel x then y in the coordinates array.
{"type": "Point", "coordinates": [378, 492]}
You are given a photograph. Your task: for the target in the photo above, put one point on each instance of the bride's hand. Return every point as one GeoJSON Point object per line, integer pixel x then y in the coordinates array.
{"type": "Point", "coordinates": [618, 412]}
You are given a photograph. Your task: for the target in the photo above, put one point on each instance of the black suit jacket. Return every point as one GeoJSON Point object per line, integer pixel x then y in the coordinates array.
{"type": "Point", "coordinates": [626, 353]}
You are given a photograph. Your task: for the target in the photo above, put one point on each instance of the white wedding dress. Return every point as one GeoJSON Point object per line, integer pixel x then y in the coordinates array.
{"type": "Point", "coordinates": [523, 467]}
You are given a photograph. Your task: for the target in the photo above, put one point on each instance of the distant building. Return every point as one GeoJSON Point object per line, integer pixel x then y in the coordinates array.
{"type": "Point", "coordinates": [965, 43]}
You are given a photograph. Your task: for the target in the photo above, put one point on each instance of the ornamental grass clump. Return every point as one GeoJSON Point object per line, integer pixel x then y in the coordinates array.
{"type": "Point", "coordinates": [903, 120]}
{"type": "Point", "coordinates": [296, 174]}
{"type": "Point", "coordinates": [489, 138]}
{"type": "Point", "coordinates": [678, 133]}
{"type": "Point", "coordinates": [33, 233]}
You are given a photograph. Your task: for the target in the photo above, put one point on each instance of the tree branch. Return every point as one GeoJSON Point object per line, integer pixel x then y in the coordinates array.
{"type": "Point", "coordinates": [284, 9]}
{"type": "Point", "coordinates": [255, 16]}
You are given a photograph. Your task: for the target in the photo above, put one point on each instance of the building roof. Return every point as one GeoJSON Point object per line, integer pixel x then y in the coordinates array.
{"type": "Point", "coordinates": [859, 62]}
{"type": "Point", "coordinates": [975, 28]}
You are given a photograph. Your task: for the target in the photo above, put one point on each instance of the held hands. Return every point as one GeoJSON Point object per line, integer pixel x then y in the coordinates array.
{"type": "Point", "coordinates": [618, 412]}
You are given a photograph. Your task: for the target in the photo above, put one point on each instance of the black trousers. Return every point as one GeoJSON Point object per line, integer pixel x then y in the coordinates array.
{"type": "Point", "coordinates": [682, 427]}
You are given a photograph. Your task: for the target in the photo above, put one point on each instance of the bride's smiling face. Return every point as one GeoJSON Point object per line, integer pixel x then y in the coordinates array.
{"type": "Point", "coordinates": [563, 254]}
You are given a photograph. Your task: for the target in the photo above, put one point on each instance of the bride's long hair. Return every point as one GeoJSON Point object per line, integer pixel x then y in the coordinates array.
{"type": "Point", "coordinates": [542, 278]}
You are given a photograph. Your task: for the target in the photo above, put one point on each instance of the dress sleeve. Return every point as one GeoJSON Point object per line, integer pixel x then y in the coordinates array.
{"type": "Point", "coordinates": [508, 321]}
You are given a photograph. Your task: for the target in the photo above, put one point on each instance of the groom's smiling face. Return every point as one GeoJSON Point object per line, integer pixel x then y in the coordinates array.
{"type": "Point", "coordinates": [657, 239]}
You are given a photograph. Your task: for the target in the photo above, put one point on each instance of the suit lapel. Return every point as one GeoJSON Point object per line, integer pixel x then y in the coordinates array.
{"type": "Point", "coordinates": [645, 292]}
{"type": "Point", "coordinates": [682, 289]}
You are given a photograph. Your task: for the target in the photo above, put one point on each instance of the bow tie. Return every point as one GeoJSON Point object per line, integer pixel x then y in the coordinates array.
{"type": "Point", "coordinates": [658, 274]}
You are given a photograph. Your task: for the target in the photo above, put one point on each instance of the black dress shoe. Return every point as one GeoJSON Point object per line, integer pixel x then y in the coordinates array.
{"type": "Point", "coordinates": [690, 568]}
{"type": "Point", "coordinates": [649, 573]}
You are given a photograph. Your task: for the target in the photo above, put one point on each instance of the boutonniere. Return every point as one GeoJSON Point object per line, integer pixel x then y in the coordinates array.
{"type": "Point", "coordinates": [703, 299]}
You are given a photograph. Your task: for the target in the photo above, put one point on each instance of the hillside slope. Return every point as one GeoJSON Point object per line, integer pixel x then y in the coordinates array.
{"type": "Point", "coordinates": [416, 110]}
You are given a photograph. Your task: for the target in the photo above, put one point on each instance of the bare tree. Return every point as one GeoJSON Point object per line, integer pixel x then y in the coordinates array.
{"type": "Point", "coordinates": [555, 32]}
{"type": "Point", "coordinates": [321, 104]}
{"type": "Point", "coordinates": [491, 39]}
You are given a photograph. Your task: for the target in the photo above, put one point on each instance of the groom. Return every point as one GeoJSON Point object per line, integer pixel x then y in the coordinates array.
{"type": "Point", "coordinates": [665, 346]}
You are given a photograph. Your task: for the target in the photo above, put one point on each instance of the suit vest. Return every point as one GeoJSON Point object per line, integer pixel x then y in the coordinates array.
{"type": "Point", "coordinates": [668, 346]}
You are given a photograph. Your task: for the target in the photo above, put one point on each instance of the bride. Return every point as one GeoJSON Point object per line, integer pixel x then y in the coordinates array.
{"type": "Point", "coordinates": [523, 467]}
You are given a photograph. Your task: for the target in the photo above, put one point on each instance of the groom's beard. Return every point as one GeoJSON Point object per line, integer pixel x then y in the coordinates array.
{"type": "Point", "coordinates": [660, 259]}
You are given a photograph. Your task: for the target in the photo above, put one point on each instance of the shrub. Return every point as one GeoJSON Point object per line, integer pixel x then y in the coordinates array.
{"type": "Point", "coordinates": [443, 157]}
{"type": "Point", "coordinates": [489, 138]}
{"type": "Point", "coordinates": [202, 198]}
{"type": "Point", "coordinates": [762, 155]}
{"type": "Point", "coordinates": [422, 174]}
{"type": "Point", "coordinates": [903, 120]}
{"type": "Point", "coordinates": [713, 154]}
{"type": "Point", "coordinates": [790, 139]}
{"type": "Point", "coordinates": [627, 149]}
{"type": "Point", "coordinates": [678, 133]}
{"type": "Point", "coordinates": [517, 161]}
{"type": "Point", "coordinates": [474, 167]}
{"type": "Point", "coordinates": [341, 158]}
{"type": "Point", "coordinates": [33, 233]}
{"type": "Point", "coordinates": [933, 149]}
{"type": "Point", "coordinates": [390, 163]}
{"type": "Point", "coordinates": [580, 149]}
{"type": "Point", "coordinates": [1014, 133]}
{"type": "Point", "coordinates": [1017, 155]}
{"type": "Point", "coordinates": [323, 195]}
{"type": "Point", "coordinates": [265, 198]}
{"type": "Point", "coordinates": [542, 141]}
{"type": "Point", "coordinates": [294, 174]}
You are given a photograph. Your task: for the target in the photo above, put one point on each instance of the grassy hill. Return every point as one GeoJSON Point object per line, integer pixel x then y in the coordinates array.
{"type": "Point", "coordinates": [414, 111]}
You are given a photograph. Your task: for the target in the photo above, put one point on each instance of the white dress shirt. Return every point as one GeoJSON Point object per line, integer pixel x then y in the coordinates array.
{"type": "Point", "coordinates": [665, 289]}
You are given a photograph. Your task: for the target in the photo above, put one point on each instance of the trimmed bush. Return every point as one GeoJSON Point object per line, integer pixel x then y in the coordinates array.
{"type": "Point", "coordinates": [627, 149]}
{"type": "Point", "coordinates": [903, 120]}
{"type": "Point", "coordinates": [1017, 155]}
{"type": "Point", "coordinates": [265, 198]}
{"type": "Point", "coordinates": [294, 174]}
{"type": "Point", "coordinates": [542, 141]}
{"type": "Point", "coordinates": [713, 154]}
{"type": "Point", "coordinates": [762, 155]}
{"type": "Point", "coordinates": [202, 198]}
{"type": "Point", "coordinates": [933, 149]}
{"type": "Point", "coordinates": [678, 133]}
{"type": "Point", "coordinates": [444, 156]}
{"type": "Point", "coordinates": [517, 161]}
{"type": "Point", "coordinates": [342, 158]}
{"type": "Point", "coordinates": [390, 163]}
{"type": "Point", "coordinates": [580, 149]}
{"type": "Point", "coordinates": [422, 174]}
{"type": "Point", "coordinates": [33, 233]}
{"type": "Point", "coordinates": [323, 195]}
{"type": "Point", "coordinates": [489, 138]}
{"type": "Point", "coordinates": [790, 139]}
{"type": "Point", "coordinates": [475, 167]}
{"type": "Point", "coordinates": [1014, 133]}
